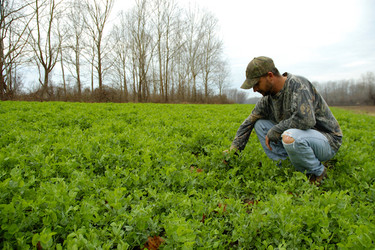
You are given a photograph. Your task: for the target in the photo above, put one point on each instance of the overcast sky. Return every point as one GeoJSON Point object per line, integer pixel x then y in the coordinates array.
{"type": "Point", "coordinates": [322, 40]}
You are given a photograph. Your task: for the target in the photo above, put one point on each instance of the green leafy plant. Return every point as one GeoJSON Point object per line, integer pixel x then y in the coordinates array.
{"type": "Point", "coordinates": [128, 176]}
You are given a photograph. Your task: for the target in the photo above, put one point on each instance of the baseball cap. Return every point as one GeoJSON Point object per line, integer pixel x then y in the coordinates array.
{"type": "Point", "coordinates": [258, 67]}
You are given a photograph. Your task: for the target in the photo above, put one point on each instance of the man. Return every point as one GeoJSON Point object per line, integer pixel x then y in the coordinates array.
{"type": "Point", "coordinates": [291, 120]}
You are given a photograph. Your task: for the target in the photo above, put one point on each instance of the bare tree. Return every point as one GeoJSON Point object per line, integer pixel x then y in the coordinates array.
{"type": "Point", "coordinates": [46, 48]}
{"type": "Point", "coordinates": [221, 76]}
{"type": "Point", "coordinates": [194, 34]}
{"type": "Point", "coordinates": [212, 49]}
{"type": "Point", "coordinates": [14, 24]}
{"type": "Point", "coordinates": [90, 55]}
{"type": "Point", "coordinates": [120, 52]}
{"type": "Point", "coordinates": [98, 15]}
{"type": "Point", "coordinates": [62, 32]}
{"type": "Point", "coordinates": [75, 42]}
{"type": "Point", "coordinates": [180, 62]}
{"type": "Point", "coordinates": [142, 48]}
{"type": "Point", "coordinates": [166, 18]}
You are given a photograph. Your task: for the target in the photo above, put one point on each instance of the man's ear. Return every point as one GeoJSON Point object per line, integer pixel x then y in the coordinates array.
{"type": "Point", "coordinates": [270, 76]}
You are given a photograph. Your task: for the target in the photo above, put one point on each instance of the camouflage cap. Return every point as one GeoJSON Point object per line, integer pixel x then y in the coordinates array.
{"type": "Point", "coordinates": [258, 67]}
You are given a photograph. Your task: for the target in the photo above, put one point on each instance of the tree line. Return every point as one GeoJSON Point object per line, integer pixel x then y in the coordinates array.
{"type": "Point", "coordinates": [155, 51]}
{"type": "Point", "coordinates": [349, 92]}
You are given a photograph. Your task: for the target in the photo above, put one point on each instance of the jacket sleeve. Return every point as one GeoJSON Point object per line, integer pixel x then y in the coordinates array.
{"type": "Point", "coordinates": [302, 109]}
{"type": "Point", "coordinates": [244, 131]}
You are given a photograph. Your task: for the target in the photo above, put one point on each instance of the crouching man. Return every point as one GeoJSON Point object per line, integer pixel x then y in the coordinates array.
{"type": "Point", "coordinates": [291, 120]}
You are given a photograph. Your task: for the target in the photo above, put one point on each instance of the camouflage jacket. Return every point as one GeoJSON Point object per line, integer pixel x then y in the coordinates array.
{"type": "Point", "coordinates": [298, 105]}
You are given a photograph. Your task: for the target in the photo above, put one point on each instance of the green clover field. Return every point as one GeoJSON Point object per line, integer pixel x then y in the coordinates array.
{"type": "Point", "coordinates": [136, 176]}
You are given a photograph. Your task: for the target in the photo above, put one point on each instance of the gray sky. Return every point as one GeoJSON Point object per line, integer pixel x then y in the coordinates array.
{"type": "Point", "coordinates": [322, 40]}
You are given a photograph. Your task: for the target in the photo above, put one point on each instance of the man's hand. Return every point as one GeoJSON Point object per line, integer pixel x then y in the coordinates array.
{"type": "Point", "coordinates": [268, 143]}
{"type": "Point", "coordinates": [272, 136]}
{"type": "Point", "coordinates": [231, 150]}
{"type": "Point", "coordinates": [228, 153]}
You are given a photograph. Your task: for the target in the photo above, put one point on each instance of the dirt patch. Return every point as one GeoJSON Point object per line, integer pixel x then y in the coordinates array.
{"type": "Point", "coordinates": [368, 110]}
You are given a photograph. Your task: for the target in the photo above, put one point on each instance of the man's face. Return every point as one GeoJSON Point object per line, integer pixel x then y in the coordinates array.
{"type": "Point", "coordinates": [264, 86]}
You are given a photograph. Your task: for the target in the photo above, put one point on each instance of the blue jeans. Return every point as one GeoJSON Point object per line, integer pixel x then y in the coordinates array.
{"type": "Point", "coordinates": [309, 149]}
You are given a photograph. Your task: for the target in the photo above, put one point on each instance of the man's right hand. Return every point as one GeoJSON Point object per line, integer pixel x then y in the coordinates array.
{"type": "Point", "coordinates": [227, 154]}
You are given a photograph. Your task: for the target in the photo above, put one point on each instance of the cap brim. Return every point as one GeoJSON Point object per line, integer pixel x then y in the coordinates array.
{"type": "Point", "coordinates": [249, 83]}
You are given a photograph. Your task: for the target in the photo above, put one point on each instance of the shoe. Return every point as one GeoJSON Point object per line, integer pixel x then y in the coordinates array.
{"type": "Point", "coordinates": [316, 180]}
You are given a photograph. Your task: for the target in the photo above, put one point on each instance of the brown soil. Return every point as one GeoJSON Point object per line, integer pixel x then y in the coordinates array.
{"type": "Point", "coordinates": [153, 243]}
{"type": "Point", "coordinates": [369, 110]}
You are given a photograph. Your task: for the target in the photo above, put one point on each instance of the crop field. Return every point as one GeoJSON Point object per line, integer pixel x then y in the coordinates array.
{"type": "Point", "coordinates": [135, 176]}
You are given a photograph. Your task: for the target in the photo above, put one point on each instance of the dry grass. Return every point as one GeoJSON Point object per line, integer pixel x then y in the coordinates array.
{"type": "Point", "coordinates": [369, 110]}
